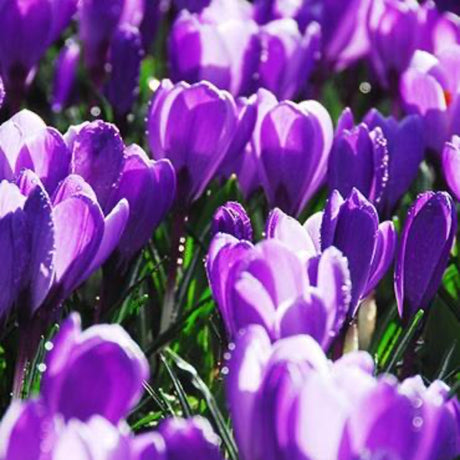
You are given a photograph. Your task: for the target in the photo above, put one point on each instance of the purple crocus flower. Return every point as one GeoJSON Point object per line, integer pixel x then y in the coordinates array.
{"type": "Point", "coordinates": [193, 126]}
{"type": "Point", "coordinates": [82, 363]}
{"type": "Point", "coordinates": [231, 218]}
{"type": "Point", "coordinates": [343, 31]}
{"type": "Point", "coordinates": [451, 165]}
{"type": "Point", "coordinates": [125, 58]}
{"type": "Point", "coordinates": [352, 225]}
{"type": "Point", "coordinates": [405, 153]}
{"type": "Point", "coordinates": [307, 299]}
{"type": "Point", "coordinates": [393, 25]}
{"type": "Point", "coordinates": [423, 251]}
{"type": "Point", "coordinates": [343, 25]}
{"type": "Point", "coordinates": [65, 75]}
{"type": "Point", "coordinates": [115, 172]}
{"type": "Point", "coordinates": [429, 88]}
{"type": "Point", "coordinates": [292, 144]}
{"type": "Point", "coordinates": [226, 53]}
{"type": "Point", "coordinates": [287, 57]}
{"type": "Point", "coordinates": [34, 24]}
{"type": "Point", "coordinates": [287, 400]}
{"type": "Point", "coordinates": [98, 21]}
{"type": "Point", "coordinates": [110, 208]}
{"type": "Point", "coordinates": [359, 158]}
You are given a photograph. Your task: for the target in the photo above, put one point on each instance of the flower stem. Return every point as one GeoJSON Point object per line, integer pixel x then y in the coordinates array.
{"type": "Point", "coordinates": [169, 310]}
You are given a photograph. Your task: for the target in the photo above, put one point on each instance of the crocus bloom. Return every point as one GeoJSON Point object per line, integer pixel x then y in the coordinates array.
{"type": "Point", "coordinates": [288, 401]}
{"type": "Point", "coordinates": [226, 53]}
{"type": "Point", "coordinates": [125, 57]}
{"type": "Point", "coordinates": [393, 25]}
{"type": "Point", "coordinates": [65, 75]}
{"type": "Point", "coordinates": [115, 172]}
{"type": "Point", "coordinates": [82, 363]}
{"type": "Point", "coordinates": [287, 57]}
{"type": "Point", "coordinates": [343, 25]}
{"type": "Point", "coordinates": [451, 165]}
{"type": "Point", "coordinates": [352, 225]}
{"type": "Point", "coordinates": [292, 144]}
{"type": "Point", "coordinates": [232, 219]}
{"type": "Point", "coordinates": [430, 87]}
{"type": "Point", "coordinates": [423, 251]}
{"type": "Point", "coordinates": [406, 149]}
{"type": "Point", "coordinates": [359, 158]}
{"type": "Point", "coordinates": [34, 24]}
{"type": "Point", "coordinates": [248, 289]}
{"type": "Point", "coordinates": [193, 126]}
{"type": "Point", "coordinates": [343, 31]}
{"type": "Point", "coordinates": [98, 21]}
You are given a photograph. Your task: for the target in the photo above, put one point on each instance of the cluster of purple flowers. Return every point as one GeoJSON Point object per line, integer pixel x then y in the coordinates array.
{"type": "Point", "coordinates": [240, 102]}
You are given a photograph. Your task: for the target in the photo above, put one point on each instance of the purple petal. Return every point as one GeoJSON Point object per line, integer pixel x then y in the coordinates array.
{"type": "Point", "coordinates": [63, 11]}
{"type": "Point", "coordinates": [246, 366]}
{"type": "Point", "coordinates": [225, 251]}
{"type": "Point", "coordinates": [192, 126]}
{"type": "Point", "coordinates": [306, 315]}
{"type": "Point", "coordinates": [294, 138]}
{"type": "Point", "coordinates": [356, 235]}
{"type": "Point", "coordinates": [14, 244]}
{"type": "Point", "coordinates": [125, 61]}
{"type": "Point", "coordinates": [47, 155]}
{"type": "Point", "coordinates": [114, 226]}
{"type": "Point", "coordinates": [232, 218]}
{"type": "Point", "coordinates": [149, 188]}
{"type": "Point", "coordinates": [451, 165]}
{"type": "Point", "coordinates": [102, 368]}
{"type": "Point", "coordinates": [148, 446]}
{"type": "Point", "coordinates": [79, 228]}
{"type": "Point", "coordinates": [196, 435]}
{"type": "Point", "coordinates": [28, 22]}
{"type": "Point", "coordinates": [73, 185]}
{"type": "Point", "coordinates": [288, 230]}
{"type": "Point", "coordinates": [423, 251]}
{"type": "Point", "coordinates": [98, 21]}
{"type": "Point", "coordinates": [197, 52]}
{"type": "Point", "coordinates": [98, 156]}
{"type": "Point", "coordinates": [334, 286]}
{"type": "Point", "coordinates": [40, 267]}
{"type": "Point", "coordinates": [25, 429]}
{"type": "Point", "coordinates": [383, 254]}
{"type": "Point", "coordinates": [64, 84]}
{"type": "Point", "coordinates": [329, 222]}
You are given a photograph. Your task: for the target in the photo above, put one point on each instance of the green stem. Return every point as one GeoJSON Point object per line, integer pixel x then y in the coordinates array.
{"type": "Point", "coordinates": [169, 310]}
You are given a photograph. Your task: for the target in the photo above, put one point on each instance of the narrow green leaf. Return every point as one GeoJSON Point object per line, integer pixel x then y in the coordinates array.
{"type": "Point", "coordinates": [218, 418]}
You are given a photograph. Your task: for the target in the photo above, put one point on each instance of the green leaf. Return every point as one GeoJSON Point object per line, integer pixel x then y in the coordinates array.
{"type": "Point", "coordinates": [217, 416]}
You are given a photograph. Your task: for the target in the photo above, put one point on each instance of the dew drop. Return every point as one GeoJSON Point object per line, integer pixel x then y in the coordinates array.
{"type": "Point", "coordinates": [49, 345]}
{"type": "Point", "coordinates": [95, 111]}
{"type": "Point", "coordinates": [417, 422]}
{"type": "Point", "coordinates": [41, 367]}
